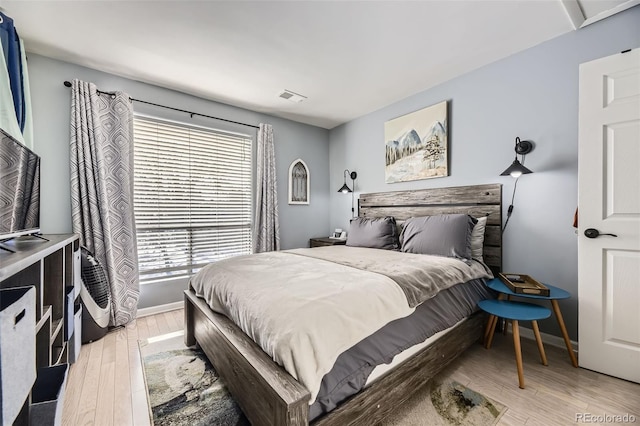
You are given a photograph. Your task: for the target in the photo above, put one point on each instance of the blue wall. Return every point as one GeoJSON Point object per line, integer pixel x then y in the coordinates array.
{"type": "Point", "coordinates": [533, 95]}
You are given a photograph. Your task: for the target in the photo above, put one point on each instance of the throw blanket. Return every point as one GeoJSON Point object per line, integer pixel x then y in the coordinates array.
{"type": "Point", "coordinates": [304, 311]}
{"type": "Point", "coordinates": [408, 270]}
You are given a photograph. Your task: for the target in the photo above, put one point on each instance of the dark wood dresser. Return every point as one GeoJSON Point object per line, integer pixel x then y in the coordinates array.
{"type": "Point", "coordinates": [326, 241]}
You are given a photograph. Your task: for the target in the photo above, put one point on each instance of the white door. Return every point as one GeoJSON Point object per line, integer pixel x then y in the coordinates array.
{"type": "Point", "coordinates": [609, 203]}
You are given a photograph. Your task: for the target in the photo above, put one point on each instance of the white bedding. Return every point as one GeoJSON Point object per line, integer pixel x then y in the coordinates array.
{"type": "Point", "coordinates": [304, 312]}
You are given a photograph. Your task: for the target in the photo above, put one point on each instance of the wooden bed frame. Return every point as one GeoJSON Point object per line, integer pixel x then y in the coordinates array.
{"type": "Point", "coordinates": [268, 395]}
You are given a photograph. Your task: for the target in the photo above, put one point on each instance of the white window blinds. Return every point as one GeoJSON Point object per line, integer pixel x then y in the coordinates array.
{"type": "Point", "coordinates": [192, 197]}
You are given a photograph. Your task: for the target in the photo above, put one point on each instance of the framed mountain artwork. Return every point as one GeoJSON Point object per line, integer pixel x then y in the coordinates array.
{"type": "Point", "coordinates": [416, 145]}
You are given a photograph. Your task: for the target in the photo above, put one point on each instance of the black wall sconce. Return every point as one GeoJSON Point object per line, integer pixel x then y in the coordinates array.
{"type": "Point", "coordinates": [517, 169]}
{"type": "Point", "coordinates": [345, 188]}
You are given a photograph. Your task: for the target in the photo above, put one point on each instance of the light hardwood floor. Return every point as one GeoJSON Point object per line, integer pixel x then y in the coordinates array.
{"type": "Point", "coordinates": [106, 385]}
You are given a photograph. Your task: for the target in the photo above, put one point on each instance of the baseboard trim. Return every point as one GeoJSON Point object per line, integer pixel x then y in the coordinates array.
{"type": "Point", "coordinates": [145, 312]}
{"type": "Point", "coordinates": [548, 339]}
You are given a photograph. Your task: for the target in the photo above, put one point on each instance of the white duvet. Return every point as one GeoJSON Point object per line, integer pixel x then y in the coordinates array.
{"type": "Point", "coordinates": [304, 312]}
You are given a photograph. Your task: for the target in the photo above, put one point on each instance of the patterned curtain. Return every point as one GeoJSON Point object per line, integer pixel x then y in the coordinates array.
{"type": "Point", "coordinates": [102, 190]}
{"type": "Point", "coordinates": [266, 230]}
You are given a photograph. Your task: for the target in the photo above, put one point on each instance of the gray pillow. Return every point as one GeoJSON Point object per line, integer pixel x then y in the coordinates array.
{"type": "Point", "coordinates": [379, 232]}
{"type": "Point", "coordinates": [442, 235]}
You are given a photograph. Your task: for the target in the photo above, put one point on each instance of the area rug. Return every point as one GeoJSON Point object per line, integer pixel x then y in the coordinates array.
{"type": "Point", "coordinates": [185, 390]}
{"type": "Point", "coordinates": [445, 402]}
{"type": "Point", "coordinates": [183, 387]}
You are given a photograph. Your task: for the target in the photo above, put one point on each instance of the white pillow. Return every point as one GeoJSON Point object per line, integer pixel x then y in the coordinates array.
{"type": "Point", "coordinates": [477, 238]}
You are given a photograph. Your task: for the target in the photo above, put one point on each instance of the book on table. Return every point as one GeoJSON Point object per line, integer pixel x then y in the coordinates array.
{"type": "Point", "coordinates": [524, 284]}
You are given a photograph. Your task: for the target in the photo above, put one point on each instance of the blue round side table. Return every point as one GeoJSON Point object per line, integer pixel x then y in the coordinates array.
{"type": "Point", "coordinates": [555, 294]}
{"type": "Point", "coordinates": [516, 311]}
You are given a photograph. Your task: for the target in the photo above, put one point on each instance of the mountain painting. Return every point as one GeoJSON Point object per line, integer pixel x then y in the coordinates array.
{"type": "Point", "coordinates": [416, 145]}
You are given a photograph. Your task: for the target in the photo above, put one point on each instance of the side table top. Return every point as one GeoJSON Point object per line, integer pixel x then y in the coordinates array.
{"type": "Point", "coordinates": [554, 292]}
{"type": "Point", "coordinates": [520, 311]}
{"type": "Point", "coordinates": [329, 240]}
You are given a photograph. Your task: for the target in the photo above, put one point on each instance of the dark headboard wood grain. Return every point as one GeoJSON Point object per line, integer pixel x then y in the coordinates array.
{"type": "Point", "coordinates": [475, 200]}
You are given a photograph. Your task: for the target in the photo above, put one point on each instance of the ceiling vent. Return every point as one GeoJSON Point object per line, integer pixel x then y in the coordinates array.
{"type": "Point", "coordinates": [292, 96]}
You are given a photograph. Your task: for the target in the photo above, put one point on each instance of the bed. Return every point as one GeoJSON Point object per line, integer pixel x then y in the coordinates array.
{"type": "Point", "coordinates": [269, 395]}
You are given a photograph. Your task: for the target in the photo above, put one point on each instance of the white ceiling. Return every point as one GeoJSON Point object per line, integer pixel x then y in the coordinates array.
{"type": "Point", "coordinates": [348, 58]}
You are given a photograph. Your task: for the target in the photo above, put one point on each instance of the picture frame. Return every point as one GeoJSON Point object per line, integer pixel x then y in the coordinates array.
{"type": "Point", "coordinates": [299, 182]}
{"type": "Point", "coordinates": [417, 145]}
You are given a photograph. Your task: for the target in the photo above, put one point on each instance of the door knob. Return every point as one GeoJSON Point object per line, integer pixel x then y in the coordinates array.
{"type": "Point", "coordinates": [594, 233]}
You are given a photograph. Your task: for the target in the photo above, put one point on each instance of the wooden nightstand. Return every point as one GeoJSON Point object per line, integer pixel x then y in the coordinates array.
{"type": "Point", "coordinates": [321, 242]}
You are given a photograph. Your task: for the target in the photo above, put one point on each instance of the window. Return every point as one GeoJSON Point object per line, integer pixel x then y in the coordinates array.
{"type": "Point", "coordinates": [192, 197]}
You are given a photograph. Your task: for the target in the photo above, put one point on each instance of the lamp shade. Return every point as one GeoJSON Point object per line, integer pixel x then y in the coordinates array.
{"type": "Point", "coordinates": [345, 189]}
{"type": "Point", "coordinates": [516, 169]}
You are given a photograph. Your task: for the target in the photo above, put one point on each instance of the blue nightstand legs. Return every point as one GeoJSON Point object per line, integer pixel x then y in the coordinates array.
{"type": "Point", "coordinates": [515, 311]}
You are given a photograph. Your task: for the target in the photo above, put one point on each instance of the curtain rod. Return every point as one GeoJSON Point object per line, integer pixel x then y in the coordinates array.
{"type": "Point", "coordinates": [68, 84]}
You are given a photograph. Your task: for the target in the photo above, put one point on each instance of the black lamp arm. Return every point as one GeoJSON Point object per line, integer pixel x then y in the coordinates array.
{"type": "Point", "coordinates": [510, 209]}
{"type": "Point", "coordinates": [353, 176]}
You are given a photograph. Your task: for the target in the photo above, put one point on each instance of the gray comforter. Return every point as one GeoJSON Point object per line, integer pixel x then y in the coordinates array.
{"type": "Point", "coordinates": [419, 276]}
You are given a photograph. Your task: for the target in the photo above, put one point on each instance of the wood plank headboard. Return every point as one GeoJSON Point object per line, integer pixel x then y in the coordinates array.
{"type": "Point", "coordinates": [475, 200]}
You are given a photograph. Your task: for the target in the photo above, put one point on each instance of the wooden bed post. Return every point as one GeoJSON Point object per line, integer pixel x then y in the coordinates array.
{"type": "Point", "coordinates": [189, 326]}
{"type": "Point", "coordinates": [266, 393]}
